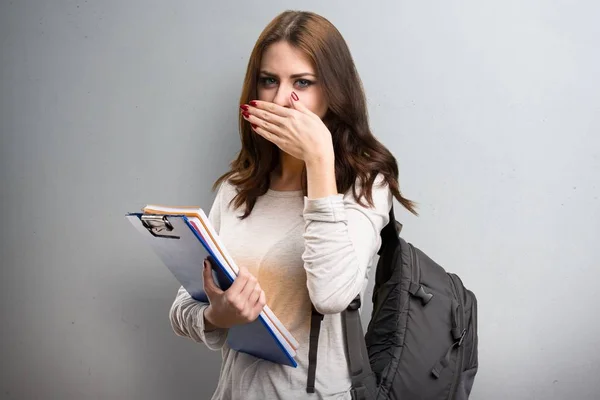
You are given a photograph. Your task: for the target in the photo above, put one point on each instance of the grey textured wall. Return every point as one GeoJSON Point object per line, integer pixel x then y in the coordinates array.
{"type": "Point", "coordinates": [491, 108]}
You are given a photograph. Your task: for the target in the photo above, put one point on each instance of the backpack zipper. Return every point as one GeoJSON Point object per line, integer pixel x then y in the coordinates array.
{"type": "Point", "coordinates": [416, 272]}
{"type": "Point", "coordinates": [459, 368]}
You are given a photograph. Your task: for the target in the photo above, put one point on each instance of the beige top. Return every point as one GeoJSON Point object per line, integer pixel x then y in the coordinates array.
{"type": "Point", "coordinates": [300, 250]}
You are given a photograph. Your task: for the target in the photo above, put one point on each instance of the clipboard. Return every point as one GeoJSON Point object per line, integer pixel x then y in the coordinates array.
{"type": "Point", "coordinates": [182, 243]}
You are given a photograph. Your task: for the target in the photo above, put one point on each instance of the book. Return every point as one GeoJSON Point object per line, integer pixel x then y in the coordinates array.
{"type": "Point", "coordinates": [183, 237]}
{"type": "Point", "coordinates": [199, 219]}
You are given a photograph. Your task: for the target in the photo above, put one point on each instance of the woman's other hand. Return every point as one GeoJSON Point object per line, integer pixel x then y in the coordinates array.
{"type": "Point", "coordinates": [240, 304]}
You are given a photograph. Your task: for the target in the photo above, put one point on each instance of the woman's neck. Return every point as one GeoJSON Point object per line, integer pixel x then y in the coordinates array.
{"type": "Point", "coordinates": [288, 174]}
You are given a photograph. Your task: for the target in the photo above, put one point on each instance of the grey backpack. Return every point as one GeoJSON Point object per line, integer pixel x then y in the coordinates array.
{"type": "Point", "coordinates": [421, 341]}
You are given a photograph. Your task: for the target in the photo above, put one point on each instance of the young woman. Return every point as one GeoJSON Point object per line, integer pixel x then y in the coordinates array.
{"type": "Point", "coordinates": [300, 211]}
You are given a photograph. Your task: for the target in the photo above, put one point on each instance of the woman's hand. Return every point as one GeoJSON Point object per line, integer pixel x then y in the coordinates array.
{"type": "Point", "coordinates": [297, 131]}
{"type": "Point", "coordinates": [240, 304]}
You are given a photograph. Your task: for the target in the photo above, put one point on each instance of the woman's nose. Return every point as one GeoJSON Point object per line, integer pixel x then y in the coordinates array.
{"type": "Point", "coordinates": [283, 96]}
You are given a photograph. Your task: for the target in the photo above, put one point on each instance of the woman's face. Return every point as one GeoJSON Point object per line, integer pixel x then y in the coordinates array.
{"type": "Point", "coordinates": [285, 69]}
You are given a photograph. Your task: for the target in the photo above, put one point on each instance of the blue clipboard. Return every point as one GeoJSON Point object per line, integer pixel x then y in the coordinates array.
{"type": "Point", "coordinates": [183, 250]}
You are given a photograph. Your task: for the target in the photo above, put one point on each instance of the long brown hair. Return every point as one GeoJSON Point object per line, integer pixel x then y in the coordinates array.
{"type": "Point", "coordinates": [358, 154]}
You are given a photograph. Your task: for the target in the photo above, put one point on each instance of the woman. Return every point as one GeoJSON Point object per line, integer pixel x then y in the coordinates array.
{"type": "Point", "coordinates": [300, 210]}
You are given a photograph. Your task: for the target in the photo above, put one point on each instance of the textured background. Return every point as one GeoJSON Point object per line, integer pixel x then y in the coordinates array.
{"type": "Point", "coordinates": [490, 107]}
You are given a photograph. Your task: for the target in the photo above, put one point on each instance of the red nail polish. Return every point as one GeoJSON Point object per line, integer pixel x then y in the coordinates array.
{"type": "Point", "coordinates": [254, 126]}
{"type": "Point", "coordinates": [253, 103]}
{"type": "Point", "coordinates": [295, 96]}
{"type": "Point", "coordinates": [244, 107]}
{"type": "Point", "coordinates": [246, 114]}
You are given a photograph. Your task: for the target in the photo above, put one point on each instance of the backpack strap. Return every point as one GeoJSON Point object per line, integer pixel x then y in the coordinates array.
{"type": "Point", "coordinates": [364, 383]}
{"type": "Point", "coordinates": [358, 357]}
{"type": "Point", "coordinates": [313, 344]}
{"type": "Point", "coordinates": [361, 374]}
{"type": "Point", "coordinates": [390, 232]}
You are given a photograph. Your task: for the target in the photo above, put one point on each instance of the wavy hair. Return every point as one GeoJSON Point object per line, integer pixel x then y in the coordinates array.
{"type": "Point", "coordinates": [359, 156]}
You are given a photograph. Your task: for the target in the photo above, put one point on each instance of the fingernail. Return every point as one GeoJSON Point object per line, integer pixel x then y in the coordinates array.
{"type": "Point", "coordinates": [253, 103]}
{"type": "Point", "coordinates": [244, 107]}
{"type": "Point", "coordinates": [245, 114]}
{"type": "Point", "coordinates": [254, 126]}
{"type": "Point", "coordinates": [295, 96]}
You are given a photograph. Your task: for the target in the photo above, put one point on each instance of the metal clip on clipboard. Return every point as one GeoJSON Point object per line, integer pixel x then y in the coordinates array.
{"type": "Point", "coordinates": [158, 226]}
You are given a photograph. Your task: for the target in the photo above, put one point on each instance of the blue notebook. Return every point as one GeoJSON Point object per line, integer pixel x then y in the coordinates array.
{"type": "Point", "coordinates": [182, 245]}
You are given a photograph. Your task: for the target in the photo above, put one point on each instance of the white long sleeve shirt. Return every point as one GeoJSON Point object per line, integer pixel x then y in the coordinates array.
{"type": "Point", "coordinates": [301, 251]}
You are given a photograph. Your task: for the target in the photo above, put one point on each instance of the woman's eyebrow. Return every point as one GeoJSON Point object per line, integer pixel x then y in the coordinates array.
{"type": "Point", "coordinates": [263, 72]}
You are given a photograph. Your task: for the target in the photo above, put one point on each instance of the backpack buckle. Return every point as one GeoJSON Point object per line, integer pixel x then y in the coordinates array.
{"type": "Point", "coordinates": [359, 393]}
{"type": "Point", "coordinates": [418, 291]}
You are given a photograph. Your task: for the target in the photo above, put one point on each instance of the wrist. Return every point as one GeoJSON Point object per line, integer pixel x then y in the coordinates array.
{"type": "Point", "coordinates": [320, 173]}
{"type": "Point", "coordinates": [320, 160]}
{"type": "Point", "coordinates": [209, 324]}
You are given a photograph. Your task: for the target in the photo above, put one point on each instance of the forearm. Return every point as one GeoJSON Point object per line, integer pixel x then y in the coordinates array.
{"type": "Point", "coordinates": [341, 237]}
{"type": "Point", "coordinates": [187, 320]}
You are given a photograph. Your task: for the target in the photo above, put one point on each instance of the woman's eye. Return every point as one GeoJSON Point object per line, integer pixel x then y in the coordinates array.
{"type": "Point", "coordinates": [303, 83]}
{"type": "Point", "coordinates": [267, 81]}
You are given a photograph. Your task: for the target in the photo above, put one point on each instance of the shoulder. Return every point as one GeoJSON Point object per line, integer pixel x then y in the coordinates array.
{"type": "Point", "coordinates": [376, 213]}
{"type": "Point", "coordinates": [380, 191]}
{"type": "Point", "coordinates": [226, 191]}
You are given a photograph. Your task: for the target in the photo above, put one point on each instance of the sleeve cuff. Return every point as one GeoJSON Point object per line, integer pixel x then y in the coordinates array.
{"type": "Point", "coordinates": [213, 339]}
{"type": "Point", "coordinates": [326, 209]}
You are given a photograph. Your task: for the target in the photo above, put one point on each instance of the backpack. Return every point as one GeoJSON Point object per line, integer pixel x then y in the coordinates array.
{"type": "Point", "coordinates": [421, 341]}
